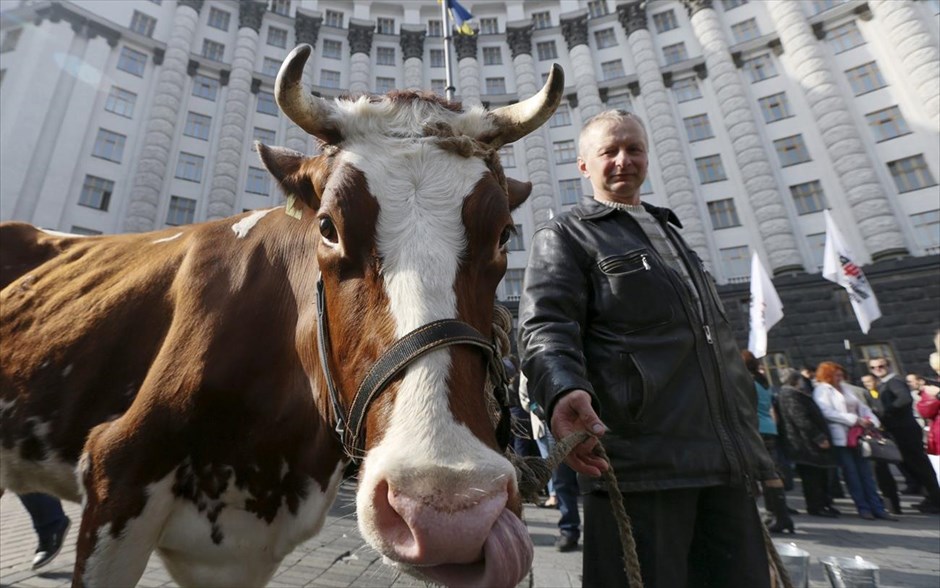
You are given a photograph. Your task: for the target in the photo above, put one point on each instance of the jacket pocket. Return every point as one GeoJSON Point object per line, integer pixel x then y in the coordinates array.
{"type": "Point", "coordinates": [634, 291]}
{"type": "Point", "coordinates": [622, 265]}
{"type": "Point", "coordinates": [634, 388]}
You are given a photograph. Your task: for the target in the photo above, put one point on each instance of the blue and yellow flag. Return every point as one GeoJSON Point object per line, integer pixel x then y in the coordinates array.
{"type": "Point", "coordinates": [461, 17]}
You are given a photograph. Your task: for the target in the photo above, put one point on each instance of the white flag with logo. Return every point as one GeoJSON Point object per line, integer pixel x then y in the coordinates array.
{"type": "Point", "coordinates": [766, 308]}
{"type": "Point", "coordinates": [839, 267]}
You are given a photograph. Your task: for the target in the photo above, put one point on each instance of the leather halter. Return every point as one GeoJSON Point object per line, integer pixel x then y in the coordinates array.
{"type": "Point", "coordinates": [417, 343]}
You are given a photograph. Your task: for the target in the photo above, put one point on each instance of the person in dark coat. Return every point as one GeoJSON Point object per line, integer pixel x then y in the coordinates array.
{"type": "Point", "coordinates": [810, 444]}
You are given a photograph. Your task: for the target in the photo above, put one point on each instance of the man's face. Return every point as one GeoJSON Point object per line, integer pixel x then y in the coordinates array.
{"type": "Point", "coordinates": [878, 367]}
{"type": "Point", "coordinates": [614, 157]}
{"type": "Point", "coordinates": [868, 382]}
{"type": "Point", "coordinates": [913, 382]}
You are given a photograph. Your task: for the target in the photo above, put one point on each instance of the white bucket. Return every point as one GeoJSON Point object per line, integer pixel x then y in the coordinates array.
{"type": "Point", "coordinates": [850, 572]}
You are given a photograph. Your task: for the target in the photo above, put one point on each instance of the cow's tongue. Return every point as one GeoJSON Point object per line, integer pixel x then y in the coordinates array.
{"type": "Point", "coordinates": [507, 558]}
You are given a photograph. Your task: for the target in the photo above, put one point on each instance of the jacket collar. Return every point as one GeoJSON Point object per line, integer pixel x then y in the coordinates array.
{"type": "Point", "coordinates": [589, 209]}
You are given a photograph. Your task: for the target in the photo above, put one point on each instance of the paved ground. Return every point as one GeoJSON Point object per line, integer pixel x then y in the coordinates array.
{"type": "Point", "coordinates": [907, 551]}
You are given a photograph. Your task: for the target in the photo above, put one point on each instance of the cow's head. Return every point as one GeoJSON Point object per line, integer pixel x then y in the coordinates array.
{"type": "Point", "coordinates": [413, 213]}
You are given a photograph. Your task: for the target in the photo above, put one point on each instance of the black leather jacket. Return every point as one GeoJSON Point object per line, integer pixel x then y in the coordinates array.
{"type": "Point", "coordinates": [601, 311]}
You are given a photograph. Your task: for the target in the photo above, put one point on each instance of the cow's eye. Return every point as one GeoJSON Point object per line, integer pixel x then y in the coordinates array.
{"type": "Point", "coordinates": [327, 229]}
{"type": "Point", "coordinates": [506, 235]}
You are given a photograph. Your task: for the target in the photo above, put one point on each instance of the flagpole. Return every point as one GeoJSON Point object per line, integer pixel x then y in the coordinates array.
{"type": "Point", "coordinates": [448, 74]}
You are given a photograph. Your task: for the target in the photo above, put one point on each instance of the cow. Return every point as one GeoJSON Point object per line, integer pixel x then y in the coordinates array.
{"type": "Point", "coordinates": [201, 389]}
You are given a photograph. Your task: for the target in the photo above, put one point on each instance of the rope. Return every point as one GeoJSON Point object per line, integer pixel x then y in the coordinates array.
{"type": "Point", "coordinates": [779, 569]}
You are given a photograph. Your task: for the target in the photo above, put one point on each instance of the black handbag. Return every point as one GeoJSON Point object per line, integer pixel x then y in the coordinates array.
{"type": "Point", "coordinates": [875, 447]}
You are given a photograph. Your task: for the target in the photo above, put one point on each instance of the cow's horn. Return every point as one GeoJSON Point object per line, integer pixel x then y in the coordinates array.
{"type": "Point", "coordinates": [518, 120]}
{"type": "Point", "coordinates": [309, 112]}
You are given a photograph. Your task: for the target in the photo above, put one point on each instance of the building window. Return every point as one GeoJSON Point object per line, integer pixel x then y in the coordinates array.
{"type": "Point", "coordinates": [489, 26]}
{"type": "Point", "coordinates": [605, 38]}
{"type": "Point", "coordinates": [546, 50]}
{"type": "Point", "coordinates": [865, 78]}
{"type": "Point", "coordinates": [384, 85]}
{"type": "Point", "coordinates": [385, 26]}
{"type": "Point", "coordinates": [512, 284]}
{"type": "Point", "coordinates": [665, 21]}
{"type": "Point", "coordinates": [121, 102]}
{"type": "Point", "coordinates": [270, 67]}
{"type": "Point", "coordinates": [182, 211]}
{"type": "Point", "coordinates": [620, 102]}
{"type": "Point", "coordinates": [257, 182]}
{"type": "Point", "coordinates": [212, 50]}
{"type": "Point", "coordinates": [435, 28]}
{"type": "Point", "coordinates": [612, 70]}
{"type": "Point", "coordinates": [809, 197]}
{"type": "Point", "coordinates": [817, 248]}
{"type": "Point", "coordinates": [10, 38]}
{"type": "Point", "coordinates": [197, 125]}
{"type": "Point", "coordinates": [675, 53]}
{"type": "Point", "coordinates": [507, 156]}
{"type": "Point", "coordinates": [647, 186]}
{"type": "Point", "coordinates": [844, 37]}
{"type": "Point", "coordinates": [729, 4]}
{"type": "Point", "coordinates": [570, 191]}
{"type": "Point", "coordinates": [437, 86]}
{"type": "Point", "coordinates": [745, 30]}
{"type": "Point", "coordinates": [329, 78]}
{"type": "Point", "coordinates": [492, 56]}
{"type": "Point", "coordinates": [723, 214]}
{"type": "Point", "coordinates": [775, 107]}
{"type": "Point", "coordinates": [266, 103]}
{"type": "Point", "coordinates": [281, 7]}
{"type": "Point", "coordinates": [542, 20]}
{"type": "Point", "coordinates": [436, 57]}
{"type": "Point", "coordinates": [333, 18]}
{"type": "Point", "coordinates": [143, 24]}
{"type": "Point", "coordinates": [96, 193]}
{"type": "Point", "coordinates": [698, 128]}
{"type": "Point", "coordinates": [823, 5]}
{"type": "Point", "coordinates": [495, 85]}
{"type": "Point", "coordinates": [219, 19]}
{"type": "Point", "coordinates": [876, 351]}
{"type": "Point", "coordinates": [77, 230]}
{"type": "Point", "coordinates": [927, 230]}
{"type": "Point", "coordinates": [565, 151]}
{"type": "Point", "coordinates": [205, 87]}
{"type": "Point", "coordinates": [791, 150]}
{"type": "Point", "coordinates": [516, 242]}
{"type": "Point", "coordinates": [332, 49]}
{"type": "Point", "coordinates": [132, 62]}
{"type": "Point", "coordinates": [760, 68]}
{"type": "Point", "coordinates": [710, 169]}
{"type": "Point", "coordinates": [686, 89]}
{"type": "Point", "coordinates": [109, 146]}
{"type": "Point", "coordinates": [385, 55]}
{"type": "Point", "coordinates": [265, 136]}
{"type": "Point", "coordinates": [561, 117]}
{"type": "Point", "coordinates": [597, 8]}
{"type": "Point", "coordinates": [277, 37]}
{"type": "Point", "coordinates": [189, 167]}
{"type": "Point", "coordinates": [911, 173]}
{"type": "Point", "coordinates": [887, 124]}
{"type": "Point", "coordinates": [736, 263]}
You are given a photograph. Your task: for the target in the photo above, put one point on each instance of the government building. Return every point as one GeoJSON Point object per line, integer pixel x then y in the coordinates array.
{"type": "Point", "coordinates": [136, 115]}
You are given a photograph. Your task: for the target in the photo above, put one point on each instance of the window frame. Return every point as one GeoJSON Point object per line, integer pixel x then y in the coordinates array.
{"type": "Point", "coordinates": [692, 123]}
{"type": "Point", "coordinates": [186, 160]}
{"type": "Point", "coordinates": [128, 57]}
{"type": "Point", "coordinates": [140, 20]}
{"type": "Point", "coordinates": [109, 145]}
{"type": "Point", "coordinates": [217, 14]}
{"type": "Point", "coordinates": [113, 100]}
{"type": "Point", "coordinates": [809, 197]}
{"type": "Point", "coordinates": [257, 181]}
{"type": "Point", "coordinates": [182, 207]}
{"type": "Point", "coordinates": [264, 100]}
{"type": "Point", "coordinates": [723, 214]}
{"type": "Point", "coordinates": [101, 192]}
{"type": "Point", "coordinates": [710, 169]}
{"type": "Point", "coordinates": [793, 144]}
{"type": "Point", "coordinates": [196, 124]}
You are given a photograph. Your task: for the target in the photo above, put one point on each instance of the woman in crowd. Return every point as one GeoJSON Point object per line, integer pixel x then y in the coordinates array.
{"type": "Point", "coordinates": [775, 499]}
{"type": "Point", "coordinates": [810, 443]}
{"type": "Point", "coordinates": [842, 411]}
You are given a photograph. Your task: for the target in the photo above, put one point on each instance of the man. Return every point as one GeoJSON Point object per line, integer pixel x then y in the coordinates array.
{"type": "Point", "coordinates": [49, 522]}
{"type": "Point", "coordinates": [618, 317]}
{"type": "Point", "coordinates": [899, 422]}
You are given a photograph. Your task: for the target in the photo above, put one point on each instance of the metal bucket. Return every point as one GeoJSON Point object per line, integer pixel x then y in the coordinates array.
{"type": "Point", "coordinates": [796, 561]}
{"type": "Point", "coordinates": [850, 572]}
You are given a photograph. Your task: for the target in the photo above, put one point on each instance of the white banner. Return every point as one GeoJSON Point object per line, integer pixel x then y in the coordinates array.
{"type": "Point", "coordinates": [839, 267]}
{"type": "Point", "coordinates": [766, 308]}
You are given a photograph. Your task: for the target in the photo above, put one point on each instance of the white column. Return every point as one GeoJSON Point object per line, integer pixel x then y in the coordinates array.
{"type": "Point", "coordinates": [360, 61]}
{"type": "Point", "coordinates": [144, 201]}
{"type": "Point", "coordinates": [468, 70]}
{"type": "Point", "coordinates": [574, 28]}
{"type": "Point", "coordinates": [412, 50]}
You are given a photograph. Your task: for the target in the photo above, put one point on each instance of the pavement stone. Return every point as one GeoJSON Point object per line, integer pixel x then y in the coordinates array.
{"type": "Point", "coordinates": [907, 551]}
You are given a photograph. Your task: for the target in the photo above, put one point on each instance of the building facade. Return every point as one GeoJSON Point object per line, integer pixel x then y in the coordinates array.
{"type": "Point", "coordinates": [135, 115]}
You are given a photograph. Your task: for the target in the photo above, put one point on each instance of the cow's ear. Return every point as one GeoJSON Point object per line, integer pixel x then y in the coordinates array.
{"type": "Point", "coordinates": [518, 192]}
{"type": "Point", "coordinates": [298, 175]}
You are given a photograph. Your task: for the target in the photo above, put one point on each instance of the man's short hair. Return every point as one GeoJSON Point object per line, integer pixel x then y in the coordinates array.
{"type": "Point", "coordinates": [614, 115]}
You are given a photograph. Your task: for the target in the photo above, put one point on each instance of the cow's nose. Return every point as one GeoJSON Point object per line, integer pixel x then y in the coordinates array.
{"type": "Point", "coordinates": [430, 529]}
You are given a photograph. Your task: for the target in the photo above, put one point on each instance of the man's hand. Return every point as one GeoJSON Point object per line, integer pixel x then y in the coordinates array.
{"type": "Point", "coordinates": [574, 413]}
{"type": "Point", "coordinates": [824, 444]}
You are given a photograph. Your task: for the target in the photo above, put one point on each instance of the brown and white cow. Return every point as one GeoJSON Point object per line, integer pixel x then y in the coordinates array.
{"type": "Point", "coordinates": [179, 370]}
